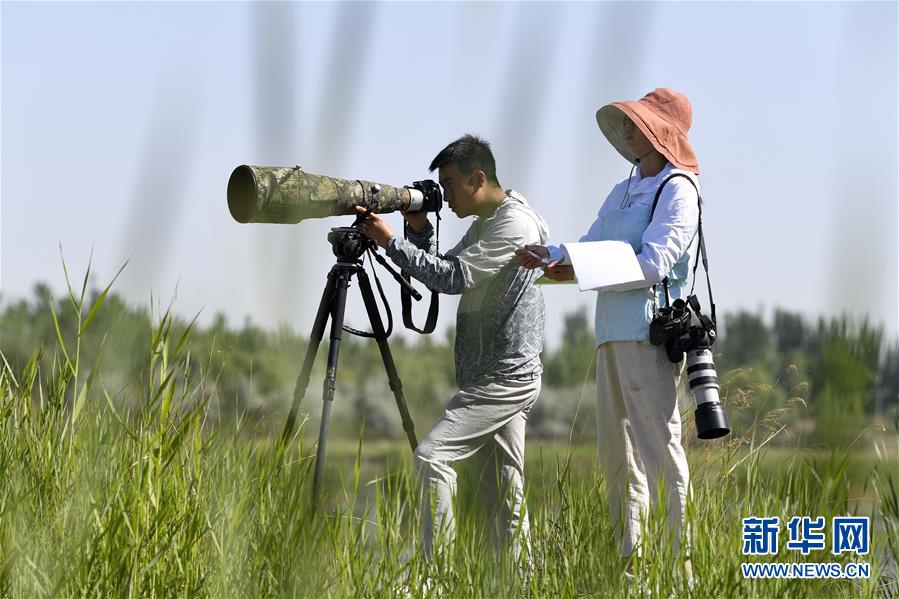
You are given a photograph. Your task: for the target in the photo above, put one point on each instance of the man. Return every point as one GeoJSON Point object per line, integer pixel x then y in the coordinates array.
{"type": "Point", "coordinates": [499, 336]}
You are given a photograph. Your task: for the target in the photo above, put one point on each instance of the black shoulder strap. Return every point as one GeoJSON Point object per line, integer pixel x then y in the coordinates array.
{"type": "Point", "coordinates": [406, 298]}
{"type": "Point", "coordinates": [430, 322]}
{"type": "Point", "coordinates": [655, 201]}
{"type": "Point", "coordinates": [702, 251]}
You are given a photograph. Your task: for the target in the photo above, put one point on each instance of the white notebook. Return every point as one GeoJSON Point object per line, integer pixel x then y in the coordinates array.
{"type": "Point", "coordinates": [600, 265]}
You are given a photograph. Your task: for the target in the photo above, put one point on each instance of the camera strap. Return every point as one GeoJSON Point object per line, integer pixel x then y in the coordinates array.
{"type": "Point", "coordinates": [406, 298]}
{"type": "Point", "coordinates": [389, 330]}
{"type": "Point", "coordinates": [702, 250]}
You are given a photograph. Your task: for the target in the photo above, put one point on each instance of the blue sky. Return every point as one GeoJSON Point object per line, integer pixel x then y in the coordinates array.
{"type": "Point", "coordinates": [121, 123]}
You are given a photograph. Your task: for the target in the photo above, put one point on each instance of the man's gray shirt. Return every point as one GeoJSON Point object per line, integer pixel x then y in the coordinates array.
{"type": "Point", "coordinates": [500, 320]}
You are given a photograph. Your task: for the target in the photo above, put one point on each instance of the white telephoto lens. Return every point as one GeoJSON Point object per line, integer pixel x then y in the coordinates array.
{"type": "Point", "coordinates": [702, 376]}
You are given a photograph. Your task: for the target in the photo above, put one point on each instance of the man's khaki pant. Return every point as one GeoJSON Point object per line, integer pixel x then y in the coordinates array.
{"type": "Point", "coordinates": [639, 427]}
{"type": "Point", "coordinates": [486, 421]}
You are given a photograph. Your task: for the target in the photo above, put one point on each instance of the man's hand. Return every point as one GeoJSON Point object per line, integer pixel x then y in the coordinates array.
{"type": "Point", "coordinates": [374, 227]}
{"type": "Point", "coordinates": [532, 256]}
{"type": "Point", "coordinates": [559, 273]}
{"type": "Point", "coordinates": [417, 220]}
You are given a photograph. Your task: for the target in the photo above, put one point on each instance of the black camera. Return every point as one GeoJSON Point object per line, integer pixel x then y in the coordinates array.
{"type": "Point", "coordinates": [679, 336]}
{"type": "Point", "coordinates": [670, 323]}
{"type": "Point", "coordinates": [431, 200]}
{"type": "Point", "coordinates": [673, 327]}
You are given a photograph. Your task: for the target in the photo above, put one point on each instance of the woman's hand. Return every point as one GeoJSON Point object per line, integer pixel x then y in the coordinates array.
{"type": "Point", "coordinates": [559, 273]}
{"type": "Point", "coordinates": [532, 256]}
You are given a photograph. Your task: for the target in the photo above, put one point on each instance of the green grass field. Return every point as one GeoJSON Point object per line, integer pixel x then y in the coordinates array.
{"type": "Point", "coordinates": [99, 503]}
{"type": "Point", "coordinates": [148, 498]}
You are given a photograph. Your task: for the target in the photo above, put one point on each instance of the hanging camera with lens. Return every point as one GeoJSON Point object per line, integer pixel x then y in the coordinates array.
{"type": "Point", "coordinates": [672, 326]}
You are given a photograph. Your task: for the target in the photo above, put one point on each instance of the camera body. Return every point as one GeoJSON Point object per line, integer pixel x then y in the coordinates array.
{"type": "Point", "coordinates": [673, 327]}
{"type": "Point", "coordinates": [428, 197]}
{"type": "Point", "coordinates": [670, 323]}
{"type": "Point", "coordinates": [691, 337]}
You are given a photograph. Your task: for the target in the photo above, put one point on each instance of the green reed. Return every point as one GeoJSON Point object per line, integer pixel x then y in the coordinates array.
{"type": "Point", "coordinates": [100, 498]}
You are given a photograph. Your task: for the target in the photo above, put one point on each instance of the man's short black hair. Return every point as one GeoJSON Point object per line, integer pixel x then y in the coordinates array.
{"type": "Point", "coordinates": [469, 153]}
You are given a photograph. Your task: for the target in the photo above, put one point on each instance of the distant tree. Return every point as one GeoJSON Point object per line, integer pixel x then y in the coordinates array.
{"type": "Point", "coordinates": [42, 294]}
{"type": "Point", "coordinates": [567, 366]}
{"type": "Point", "coordinates": [839, 368]}
{"type": "Point", "coordinates": [886, 389]}
{"type": "Point", "coordinates": [789, 331]}
{"type": "Point", "coordinates": [843, 370]}
{"type": "Point", "coordinates": [576, 329]}
{"type": "Point", "coordinates": [746, 340]}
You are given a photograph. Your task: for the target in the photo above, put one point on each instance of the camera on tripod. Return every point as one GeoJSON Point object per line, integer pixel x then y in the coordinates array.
{"type": "Point", "coordinates": [260, 194]}
{"type": "Point", "coordinates": [673, 327]}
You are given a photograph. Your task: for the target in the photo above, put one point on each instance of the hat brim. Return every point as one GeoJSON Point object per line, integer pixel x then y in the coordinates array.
{"type": "Point", "coordinates": [663, 136]}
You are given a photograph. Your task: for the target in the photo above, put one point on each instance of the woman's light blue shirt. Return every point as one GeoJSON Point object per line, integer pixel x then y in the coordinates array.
{"type": "Point", "coordinates": [664, 247]}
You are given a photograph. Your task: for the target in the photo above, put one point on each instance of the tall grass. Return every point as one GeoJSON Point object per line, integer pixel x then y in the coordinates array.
{"type": "Point", "coordinates": [102, 499]}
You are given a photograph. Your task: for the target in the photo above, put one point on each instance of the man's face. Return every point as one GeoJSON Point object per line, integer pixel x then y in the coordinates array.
{"type": "Point", "coordinates": [459, 191]}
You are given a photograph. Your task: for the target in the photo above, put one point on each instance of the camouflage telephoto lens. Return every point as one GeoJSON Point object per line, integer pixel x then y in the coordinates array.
{"type": "Point", "coordinates": [287, 195]}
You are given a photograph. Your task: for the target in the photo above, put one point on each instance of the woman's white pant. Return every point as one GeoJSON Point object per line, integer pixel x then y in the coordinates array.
{"type": "Point", "coordinates": [487, 421]}
{"type": "Point", "coordinates": [639, 428]}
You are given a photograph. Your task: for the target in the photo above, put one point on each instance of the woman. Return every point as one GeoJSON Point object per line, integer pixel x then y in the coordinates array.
{"type": "Point", "coordinates": [637, 385]}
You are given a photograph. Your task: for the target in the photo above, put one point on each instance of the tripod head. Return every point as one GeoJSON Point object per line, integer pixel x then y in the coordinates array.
{"type": "Point", "coordinates": [348, 244]}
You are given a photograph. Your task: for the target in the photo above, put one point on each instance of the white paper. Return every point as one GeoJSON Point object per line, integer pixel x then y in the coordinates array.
{"type": "Point", "coordinates": [601, 265]}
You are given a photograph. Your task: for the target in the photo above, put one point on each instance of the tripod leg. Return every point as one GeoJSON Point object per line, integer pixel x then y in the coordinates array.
{"type": "Point", "coordinates": [338, 307]}
{"type": "Point", "coordinates": [396, 385]}
{"type": "Point", "coordinates": [315, 339]}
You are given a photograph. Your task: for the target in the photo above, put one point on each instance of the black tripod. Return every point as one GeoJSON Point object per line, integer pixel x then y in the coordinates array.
{"type": "Point", "coordinates": [349, 245]}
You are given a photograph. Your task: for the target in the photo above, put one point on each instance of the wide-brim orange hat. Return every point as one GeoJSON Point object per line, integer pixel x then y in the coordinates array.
{"type": "Point", "coordinates": [663, 115]}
